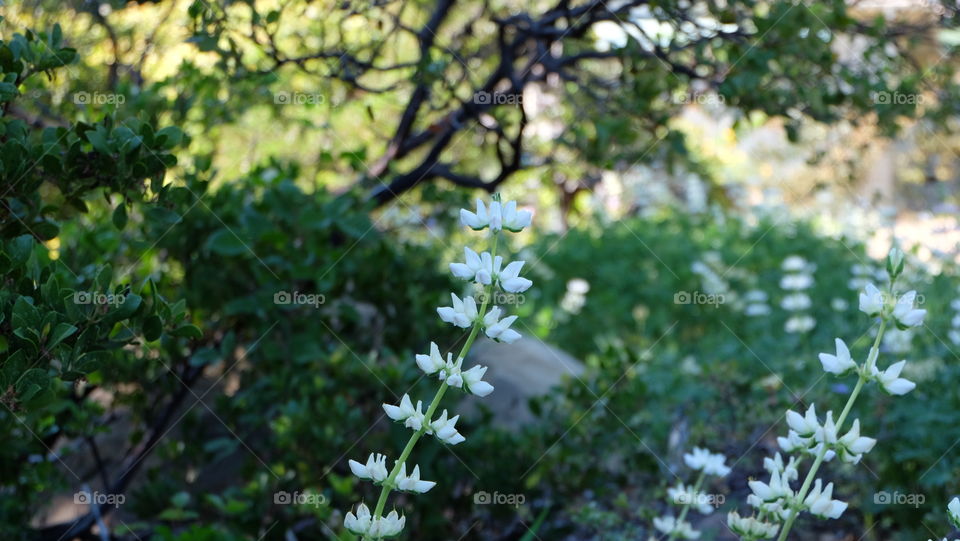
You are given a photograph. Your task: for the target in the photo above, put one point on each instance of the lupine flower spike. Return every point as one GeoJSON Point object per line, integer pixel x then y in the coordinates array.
{"type": "Point", "coordinates": [707, 463]}
{"type": "Point", "coordinates": [777, 502]}
{"type": "Point", "coordinates": [486, 271]}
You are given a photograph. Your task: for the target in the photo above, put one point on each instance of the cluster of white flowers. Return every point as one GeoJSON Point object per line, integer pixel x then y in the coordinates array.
{"type": "Point", "coordinates": [707, 463]}
{"type": "Point", "coordinates": [797, 279]}
{"type": "Point", "coordinates": [954, 332]}
{"type": "Point", "coordinates": [486, 270]}
{"type": "Point", "coordinates": [756, 303]}
{"type": "Point", "coordinates": [776, 501]}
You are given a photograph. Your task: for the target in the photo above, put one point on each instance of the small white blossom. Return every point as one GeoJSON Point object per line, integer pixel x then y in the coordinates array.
{"type": "Point", "coordinates": [413, 482]}
{"type": "Point", "coordinates": [445, 429]}
{"type": "Point", "coordinates": [820, 503]}
{"type": "Point", "coordinates": [777, 489]}
{"type": "Point", "coordinates": [686, 495]}
{"type": "Point", "coordinates": [707, 462]}
{"type": "Point", "coordinates": [775, 465]}
{"type": "Point", "coordinates": [473, 380]}
{"type": "Point", "coordinates": [510, 280]}
{"type": "Point", "coordinates": [871, 300]}
{"type": "Point", "coordinates": [953, 509]}
{"type": "Point", "coordinates": [374, 470]}
{"type": "Point", "coordinates": [796, 282]}
{"type": "Point", "coordinates": [476, 267]}
{"type": "Point", "coordinates": [670, 525]}
{"type": "Point", "coordinates": [891, 381]}
{"type": "Point", "coordinates": [853, 446]}
{"type": "Point", "coordinates": [497, 217]}
{"type": "Point", "coordinates": [805, 426]}
{"type": "Point", "coordinates": [840, 363]}
{"type": "Point", "coordinates": [463, 313]}
{"type": "Point", "coordinates": [499, 329]}
{"type": "Point", "coordinates": [904, 312]}
{"type": "Point", "coordinates": [432, 363]}
{"type": "Point", "coordinates": [411, 417]}
{"type": "Point", "coordinates": [478, 220]}
{"type": "Point", "coordinates": [750, 527]}
{"type": "Point", "coordinates": [364, 524]}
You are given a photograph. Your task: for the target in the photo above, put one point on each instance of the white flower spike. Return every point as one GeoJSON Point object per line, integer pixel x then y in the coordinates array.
{"type": "Point", "coordinates": [484, 269]}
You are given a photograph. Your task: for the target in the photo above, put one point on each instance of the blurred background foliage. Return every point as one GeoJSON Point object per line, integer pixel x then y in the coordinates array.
{"type": "Point", "coordinates": [169, 167]}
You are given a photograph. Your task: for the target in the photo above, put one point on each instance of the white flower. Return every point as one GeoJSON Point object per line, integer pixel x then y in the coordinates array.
{"type": "Point", "coordinates": [775, 465]}
{"type": "Point", "coordinates": [904, 312]}
{"type": "Point", "coordinates": [510, 279]}
{"type": "Point", "coordinates": [515, 220]}
{"type": "Point", "coordinates": [853, 446]}
{"type": "Point", "coordinates": [871, 300]}
{"type": "Point", "coordinates": [820, 503]}
{"type": "Point", "coordinates": [891, 381]}
{"type": "Point", "coordinates": [413, 482]}
{"type": "Point", "coordinates": [669, 525]}
{"type": "Point", "coordinates": [374, 470]}
{"type": "Point", "coordinates": [805, 426]}
{"type": "Point", "coordinates": [411, 417]}
{"type": "Point", "coordinates": [796, 282]}
{"type": "Point", "coordinates": [359, 523]}
{"type": "Point", "coordinates": [796, 302]}
{"type": "Point", "coordinates": [709, 463]}
{"type": "Point", "coordinates": [462, 314]}
{"type": "Point", "coordinates": [388, 526]}
{"type": "Point", "coordinates": [473, 380]}
{"type": "Point", "coordinates": [953, 509]}
{"type": "Point", "coordinates": [794, 263]}
{"type": "Point", "coordinates": [828, 432]}
{"type": "Point", "coordinates": [445, 429]}
{"type": "Point", "coordinates": [839, 363]}
{"type": "Point", "coordinates": [432, 363]}
{"type": "Point", "coordinates": [477, 267]}
{"type": "Point", "coordinates": [792, 442]}
{"type": "Point", "coordinates": [778, 488]}
{"type": "Point", "coordinates": [499, 329]}
{"type": "Point", "coordinates": [685, 495]}
{"type": "Point", "coordinates": [750, 527]}
{"type": "Point", "coordinates": [799, 324]}
{"type": "Point", "coordinates": [480, 219]}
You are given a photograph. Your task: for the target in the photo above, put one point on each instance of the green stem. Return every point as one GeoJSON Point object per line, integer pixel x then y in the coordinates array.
{"type": "Point", "coordinates": [388, 484]}
{"type": "Point", "coordinates": [802, 494]}
{"type": "Point", "coordinates": [687, 505]}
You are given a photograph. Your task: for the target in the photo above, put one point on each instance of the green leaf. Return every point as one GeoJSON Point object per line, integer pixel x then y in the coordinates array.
{"type": "Point", "coordinates": [152, 328]}
{"type": "Point", "coordinates": [60, 332]}
{"type": "Point", "coordinates": [30, 383]}
{"type": "Point", "coordinates": [120, 216]}
{"type": "Point", "coordinates": [188, 331]}
{"type": "Point", "coordinates": [224, 242]}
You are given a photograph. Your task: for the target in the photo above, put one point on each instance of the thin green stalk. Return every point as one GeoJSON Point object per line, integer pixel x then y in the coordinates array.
{"type": "Point", "coordinates": [802, 494]}
{"type": "Point", "coordinates": [686, 507]}
{"type": "Point", "coordinates": [388, 484]}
